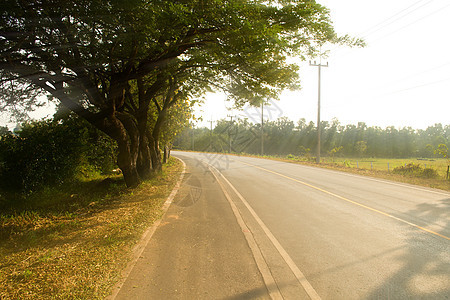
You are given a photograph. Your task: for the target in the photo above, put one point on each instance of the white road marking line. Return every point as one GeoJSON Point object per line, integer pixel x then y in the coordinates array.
{"type": "Point", "coordinates": [289, 261]}
{"type": "Point", "coordinates": [351, 201]}
{"type": "Point", "coordinates": [261, 263]}
{"type": "Point", "coordinates": [408, 186]}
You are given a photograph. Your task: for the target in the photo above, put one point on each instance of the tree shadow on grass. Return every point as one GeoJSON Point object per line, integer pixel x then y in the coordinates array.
{"type": "Point", "coordinates": [35, 218]}
{"type": "Point", "coordinates": [68, 197]}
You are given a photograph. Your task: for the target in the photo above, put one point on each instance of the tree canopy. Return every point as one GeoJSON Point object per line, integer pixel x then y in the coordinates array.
{"type": "Point", "coordinates": [122, 65]}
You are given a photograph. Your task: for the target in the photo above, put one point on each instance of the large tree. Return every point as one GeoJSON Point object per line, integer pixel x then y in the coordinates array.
{"type": "Point", "coordinates": [122, 65]}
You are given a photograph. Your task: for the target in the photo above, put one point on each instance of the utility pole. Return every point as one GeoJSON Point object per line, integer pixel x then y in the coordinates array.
{"type": "Point", "coordinates": [193, 137]}
{"type": "Point", "coordinates": [262, 128]}
{"type": "Point", "coordinates": [319, 65]}
{"type": "Point", "coordinates": [229, 134]}
{"type": "Point", "coordinates": [210, 134]}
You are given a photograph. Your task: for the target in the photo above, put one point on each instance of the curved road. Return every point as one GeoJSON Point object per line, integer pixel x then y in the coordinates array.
{"type": "Point", "coordinates": [322, 234]}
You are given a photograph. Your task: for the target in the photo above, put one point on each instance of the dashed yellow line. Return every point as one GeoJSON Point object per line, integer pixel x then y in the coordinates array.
{"type": "Point", "coordinates": [351, 201]}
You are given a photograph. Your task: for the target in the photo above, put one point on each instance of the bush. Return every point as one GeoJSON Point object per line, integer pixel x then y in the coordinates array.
{"type": "Point", "coordinates": [50, 153]}
{"type": "Point", "coordinates": [415, 170]}
{"type": "Point", "coordinates": [291, 156]}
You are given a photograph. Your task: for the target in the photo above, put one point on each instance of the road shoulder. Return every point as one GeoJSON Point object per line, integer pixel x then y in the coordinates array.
{"type": "Point", "coordinates": [198, 251]}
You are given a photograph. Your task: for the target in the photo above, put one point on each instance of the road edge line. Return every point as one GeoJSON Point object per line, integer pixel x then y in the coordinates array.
{"type": "Point", "coordinates": [287, 258]}
{"type": "Point", "coordinates": [269, 281]}
{"type": "Point", "coordinates": [146, 237]}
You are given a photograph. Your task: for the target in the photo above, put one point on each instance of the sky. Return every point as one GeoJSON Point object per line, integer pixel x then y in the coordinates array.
{"type": "Point", "coordinates": [401, 78]}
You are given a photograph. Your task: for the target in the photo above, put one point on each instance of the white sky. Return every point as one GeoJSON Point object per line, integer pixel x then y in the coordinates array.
{"type": "Point", "coordinates": [400, 78]}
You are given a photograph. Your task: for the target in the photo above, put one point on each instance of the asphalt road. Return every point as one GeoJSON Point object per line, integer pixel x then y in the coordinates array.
{"type": "Point", "coordinates": [280, 230]}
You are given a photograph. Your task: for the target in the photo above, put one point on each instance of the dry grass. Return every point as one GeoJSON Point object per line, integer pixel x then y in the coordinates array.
{"type": "Point", "coordinates": [79, 253]}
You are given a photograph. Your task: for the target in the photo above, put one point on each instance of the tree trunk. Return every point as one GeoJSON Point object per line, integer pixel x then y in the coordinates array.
{"type": "Point", "coordinates": [127, 165]}
{"type": "Point", "coordinates": [127, 137]}
{"type": "Point", "coordinates": [154, 138]}
{"type": "Point", "coordinates": [144, 160]}
{"type": "Point", "coordinates": [166, 154]}
{"type": "Point", "coordinates": [155, 154]}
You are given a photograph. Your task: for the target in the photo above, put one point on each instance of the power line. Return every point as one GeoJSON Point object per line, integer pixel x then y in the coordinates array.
{"type": "Point", "coordinates": [355, 96]}
{"type": "Point", "coordinates": [368, 31]}
{"type": "Point", "coordinates": [347, 51]}
{"type": "Point", "coordinates": [387, 84]}
{"type": "Point", "coordinates": [416, 86]}
{"type": "Point", "coordinates": [412, 23]}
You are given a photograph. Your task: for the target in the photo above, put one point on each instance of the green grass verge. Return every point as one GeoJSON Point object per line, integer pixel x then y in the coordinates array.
{"type": "Point", "coordinates": [73, 243]}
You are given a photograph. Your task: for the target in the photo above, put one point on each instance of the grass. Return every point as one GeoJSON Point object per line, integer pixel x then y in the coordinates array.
{"type": "Point", "coordinates": [73, 243]}
{"type": "Point", "coordinates": [382, 164]}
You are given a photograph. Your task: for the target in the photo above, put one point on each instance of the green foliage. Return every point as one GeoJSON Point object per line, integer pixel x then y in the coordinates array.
{"type": "Point", "coordinates": [335, 151]}
{"type": "Point", "coordinates": [50, 153]}
{"type": "Point", "coordinates": [442, 150]}
{"type": "Point", "coordinates": [304, 151]}
{"type": "Point", "coordinates": [416, 170]}
{"type": "Point", "coordinates": [361, 147]}
{"type": "Point", "coordinates": [177, 120]}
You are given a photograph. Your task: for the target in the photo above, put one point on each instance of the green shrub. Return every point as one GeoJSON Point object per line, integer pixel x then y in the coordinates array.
{"type": "Point", "coordinates": [415, 170]}
{"type": "Point", "coordinates": [429, 173]}
{"type": "Point", "coordinates": [53, 152]}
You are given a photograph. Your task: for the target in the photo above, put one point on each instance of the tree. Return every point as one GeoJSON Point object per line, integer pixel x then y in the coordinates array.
{"type": "Point", "coordinates": [442, 150]}
{"type": "Point", "coordinates": [177, 120]}
{"type": "Point", "coordinates": [361, 147]}
{"type": "Point", "coordinates": [121, 65]}
{"type": "Point", "coordinates": [18, 97]}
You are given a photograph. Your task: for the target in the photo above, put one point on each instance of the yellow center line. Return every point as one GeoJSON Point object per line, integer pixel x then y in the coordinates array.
{"type": "Point", "coordinates": [351, 201]}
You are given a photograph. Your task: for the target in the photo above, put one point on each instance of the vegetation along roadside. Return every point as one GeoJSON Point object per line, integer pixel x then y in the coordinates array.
{"type": "Point", "coordinates": [78, 251]}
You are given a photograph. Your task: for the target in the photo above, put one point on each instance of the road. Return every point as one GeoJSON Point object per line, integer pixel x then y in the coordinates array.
{"type": "Point", "coordinates": [269, 229]}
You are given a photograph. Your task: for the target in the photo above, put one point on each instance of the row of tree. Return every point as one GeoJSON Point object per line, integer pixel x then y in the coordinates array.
{"type": "Point", "coordinates": [284, 137]}
{"type": "Point", "coordinates": [122, 65]}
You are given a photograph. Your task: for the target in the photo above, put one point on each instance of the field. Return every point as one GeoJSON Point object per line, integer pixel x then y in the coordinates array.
{"type": "Point", "coordinates": [384, 164]}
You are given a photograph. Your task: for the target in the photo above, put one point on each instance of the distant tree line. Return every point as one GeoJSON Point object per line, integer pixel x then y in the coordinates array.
{"type": "Point", "coordinates": [283, 137]}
